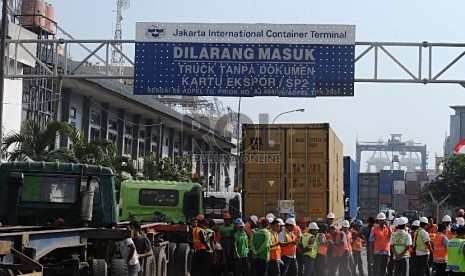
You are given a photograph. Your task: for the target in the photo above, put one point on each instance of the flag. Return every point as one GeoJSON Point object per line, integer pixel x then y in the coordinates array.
{"type": "Point", "coordinates": [460, 147]}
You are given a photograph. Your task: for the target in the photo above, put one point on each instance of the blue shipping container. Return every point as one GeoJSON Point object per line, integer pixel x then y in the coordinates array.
{"type": "Point", "coordinates": [385, 176]}
{"type": "Point", "coordinates": [385, 188]}
{"type": "Point", "coordinates": [398, 175]}
{"type": "Point", "coordinates": [351, 169]}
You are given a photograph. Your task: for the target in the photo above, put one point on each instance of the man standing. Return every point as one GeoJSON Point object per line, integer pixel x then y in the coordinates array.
{"type": "Point", "coordinates": [288, 248]}
{"type": "Point", "coordinates": [225, 235]}
{"type": "Point", "coordinates": [275, 249]}
{"type": "Point", "coordinates": [339, 253]}
{"type": "Point", "coordinates": [380, 238]}
{"type": "Point", "coordinates": [440, 251]}
{"type": "Point", "coordinates": [357, 247]}
{"type": "Point", "coordinates": [202, 255]}
{"type": "Point", "coordinates": [129, 253]}
{"type": "Point", "coordinates": [260, 247]}
{"type": "Point", "coordinates": [401, 241]}
{"type": "Point", "coordinates": [348, 233]}
{"type": "Point", "coordinates": [455, 254]}
{"type": "Point", "coordinates": [322, 252]}
{"type": "Point", "coordinates": [422, 245]}
{"type": "Point", "coordinates": [310, 247]}
{"type": "Point", "coordinates": [366, 231]}
{"type": "Point", "coordinates": [241, 249]}
{"type": "Point", "coordinates": [142, 243]}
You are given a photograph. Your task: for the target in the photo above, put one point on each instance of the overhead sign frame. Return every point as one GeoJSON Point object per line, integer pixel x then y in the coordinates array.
{"type": "Point", "coordinates": [196, 59]}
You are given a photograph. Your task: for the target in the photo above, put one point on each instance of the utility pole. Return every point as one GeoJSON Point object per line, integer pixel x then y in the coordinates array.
{"type": "Point", "coordinates": [3, 33]}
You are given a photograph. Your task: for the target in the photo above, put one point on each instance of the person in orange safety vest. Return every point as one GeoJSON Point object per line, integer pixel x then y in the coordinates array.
{"type": "Point", "coordinates": [340, 252]}
{"type": "Point", "coordinates": [202, 254]}
{"type": "Point", "coordinates": [380, 247]}
{"type": "Point", "coordinates": [440, 251]}
{"type": "Point", "coordinates": [357, 246]}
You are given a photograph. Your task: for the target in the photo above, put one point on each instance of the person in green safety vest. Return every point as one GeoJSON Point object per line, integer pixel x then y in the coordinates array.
{"type": "Point", "coordinates": [456, 254]}
{"type": "Point", "coordinates": [423, 248]}
{"type": "Point", "coordinates": [310, 249]}
{"type": "Point", "coordinates": [401, 241]}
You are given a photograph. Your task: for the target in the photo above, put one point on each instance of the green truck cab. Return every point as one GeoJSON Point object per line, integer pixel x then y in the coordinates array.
{"type": "Point", "coordinates": [52, 190]}
{"type": "Point", "coordinates": [160, 201]}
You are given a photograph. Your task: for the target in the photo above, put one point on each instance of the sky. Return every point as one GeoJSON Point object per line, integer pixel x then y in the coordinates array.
{"type": "Point", "coordinates": [419, 112]}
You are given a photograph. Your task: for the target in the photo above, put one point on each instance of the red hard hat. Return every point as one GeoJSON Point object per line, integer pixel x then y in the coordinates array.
{"type": "Point", "coordinates": [200, 217]}
{"type": "Point", "coordinates": [461, 212]}
{"type": "Point", "coordinates": [226, 216]}
{"type": "Point", "coordinates": [262, 219]}
{"type": "Point", "coordinates": [303, 220]}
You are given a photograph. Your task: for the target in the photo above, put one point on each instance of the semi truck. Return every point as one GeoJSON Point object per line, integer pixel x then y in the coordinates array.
{"type": "Point", "coordinates": [294, 168]}
{"type": "Point", "coordinates": [62, 219]}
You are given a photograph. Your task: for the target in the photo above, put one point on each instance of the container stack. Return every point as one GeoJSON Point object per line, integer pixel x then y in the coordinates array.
{"type": "Point", "coordinates": [391, 183]}
{"type": "Point", "coordinates": [414, 182]}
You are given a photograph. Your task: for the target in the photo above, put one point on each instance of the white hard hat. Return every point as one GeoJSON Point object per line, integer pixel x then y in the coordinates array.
{"type": "Point", "coordinates": [446, 218]}
{"type": "Point", "coordinates": [330, 216]}
{"type": "Point", "coordinates": [402, 221]}
{"type": "Point", "coordinates": [460, 221]}
{"type": "Point", "coordinates": [396, 221]}
{"type": "Point", "coordinates": [254, 218]}
{"type": "Point", "coordinates": [290, 221]}
{"type": "Point", "coordinates": [405, 219]}
{"type": "Point", "coordinates": [218, 246]}
{"type": "Point", "coordinates": [424, 219]}
{"type": "Point", "coordinates": [381, 216]}
{"type": "Point", "coordinates": [281, 222]}
{"type": "Point", "coordinates": [416, 223]}
{"type": "Point", "coordinates": [270, 215]}
{"type": "Point", "coordinates": [270, 220]}
{"type": "Point", "coordinates": [313, 226]}
{"type": "Point", "coordinates": [345, 223]}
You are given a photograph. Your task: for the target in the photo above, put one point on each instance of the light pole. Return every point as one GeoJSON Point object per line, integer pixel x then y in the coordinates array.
{"type": "Point", "coordinates": [290, 111]}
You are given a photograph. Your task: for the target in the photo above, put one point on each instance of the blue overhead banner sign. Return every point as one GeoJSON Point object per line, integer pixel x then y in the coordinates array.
{"type": "Point", "coordinates": [244, 60]}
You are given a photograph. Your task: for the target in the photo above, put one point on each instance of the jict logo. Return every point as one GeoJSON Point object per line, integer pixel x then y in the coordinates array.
{"type": "Point", "coordinates": [155, 31]}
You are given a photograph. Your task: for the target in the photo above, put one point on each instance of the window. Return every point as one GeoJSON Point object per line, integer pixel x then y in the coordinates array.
{"type": "Point", "coordinates": [142, 134]}
{"type": "Point", "coordinates": [56, 189]}
{"type": "Point", "coordinates": [141, 150]}
{"type": "Point", "coordinates": [127, 145]}
{"type": "Point", "coordinates": [113, 124]}
{"type": "Point", "coordinates": [215, 203]}
{"type": "Point", "coordinates": [112, 137]}
{"type": "Point", "coordinates": [94, 133]}
{"type": "Point", "coordinates": [95, 118]}
{"type": "Point", "coordinates": [72, 113]}
{"type": "Point", "coordinates": [155, 138]}
{"type": "Point", "coordinates": [167, 142]}
{"type": "Point", "coordinates": [128, 129]}
{"type": "Point", "coordinates": [154, 197]}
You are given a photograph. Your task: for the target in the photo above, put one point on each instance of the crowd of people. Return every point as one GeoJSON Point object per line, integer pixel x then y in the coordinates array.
{"type": "Point", "coordinates": [273, 246]}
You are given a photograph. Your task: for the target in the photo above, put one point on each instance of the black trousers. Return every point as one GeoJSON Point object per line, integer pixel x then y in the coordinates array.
{"type": "Point", "coordinates": [379, 264]}
{"type": "Point", "coordinates": [201, 259]}
{"type": "Point", "coordinates": [422, 265]}
{"type": "Point", "coordinates": [369, 260]}
{"type": "Point", "coordinates": [340, 264]}
{"type": "Point", "coordinates": [274, 268]}
{"type": "Point", "coordinates": [320, 265]}
{"type": "Point", "coordinates": [400, 267]}
{"type": "Point", "coordinates": [358, 262]}
{"type": "Point", "coordinates": [440, 269]}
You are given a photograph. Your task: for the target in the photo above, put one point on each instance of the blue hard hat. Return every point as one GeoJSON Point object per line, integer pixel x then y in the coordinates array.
{"type": "Point", "coordinates": [454, 226]}
{"type": "Point", "coordinates": [359, 223]}
{"type": "Point", "coordinates": [290, 215]}
{"type": "Point", "coordinates": [238, 221]}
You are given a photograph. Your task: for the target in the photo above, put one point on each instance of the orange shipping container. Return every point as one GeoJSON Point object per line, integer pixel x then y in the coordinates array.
{"type": "Point", "coordinates": [298, 162]}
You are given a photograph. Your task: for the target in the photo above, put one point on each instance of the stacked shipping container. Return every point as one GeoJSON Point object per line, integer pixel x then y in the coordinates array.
{"type": "Point", "coordinates": [368, 195]}
{"type": "Point", "coordinates": [302, 163]}
{"type": "Point", "coordinates": [351, 169]}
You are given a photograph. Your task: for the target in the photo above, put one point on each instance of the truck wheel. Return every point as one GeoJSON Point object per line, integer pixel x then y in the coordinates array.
{"type": "Point", "coordinates": [150, 266]}
{"type": "Point", "coordinates": [162, 266]}
{"type": "Point", "coordinates": [99, 268]}
{"type": "Point", "coordinates": [119, 267]}
{"type": "Point", "coordinates": [183, 260]}
{"type": "Point", "coordinates": [172, 258]}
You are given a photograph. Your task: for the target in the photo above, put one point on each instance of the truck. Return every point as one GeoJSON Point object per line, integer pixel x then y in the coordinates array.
{"type": "Point", "coordinates": [218, 203]}
{"type": "Point", "coordinates": [294, 168]}
{"type": "Point", "coordinates": [62, 219]}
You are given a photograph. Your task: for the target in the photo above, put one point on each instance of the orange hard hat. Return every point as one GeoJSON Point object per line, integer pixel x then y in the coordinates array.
{"type": "Point", "coordinates": [226, 216]}
{"type": "Point", "coordinates": [200, 217]}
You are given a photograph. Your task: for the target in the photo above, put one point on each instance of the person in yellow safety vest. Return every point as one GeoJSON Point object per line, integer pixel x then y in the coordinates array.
{"type": "Point", "coordinates": [447, 221]}
{"type": "Point", "coordinates": [455, 254]}
{"type": "Point", "coordinates": [345, 228]}
{"type": "Point", "coordinates": [201, 248]}
{"type": "Point", "coordinates": [357, 247]}
{"type": "Point", "coordinates": [401, 241]}
{"type": "Point", "coordinates": [390, 264]}
{"type": "Point", "coordinates": [440, 251]}
{"type": "Point", "coordinates": [453, 231]}
{"type": "Point", "coordinates": [274, 267]}
{"type": "Point", "coordinates": [310, 249]}
{"type": "Point", "coordinates": [322, 251]}
{"type": "Point", "coordinates": [423, 247]}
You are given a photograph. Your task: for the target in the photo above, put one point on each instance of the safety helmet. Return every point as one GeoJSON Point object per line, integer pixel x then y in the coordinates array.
{"type": "Point", "coordinates": [461, 212]}
{"type": "Point", "coordinates": [416, 223]}
{"type": "Point", "coordinates": [396, 222]}
{"type": "Point", "coordinates": [290, 221]}
{"type": "Point", "coordinates": [270, 215]}
{"type": "Point", "coordinates": [270, 220]}
{"type": "Point", "coordinates": [405, 219]}
{"type": "Point", "coordinates": [254, 218]}
{"type": "Point", "coordinates": [330, 216]}
{"type": "Point", "coordinates": [381, 216]}
{"type": "Point", "coordinates": [226, 216]}
{"type": "Point", "coordinates": [401, 221]}
{"type": "Point", "coordinates": [313, 226]}
{"type": "Point", "coordinates": [218, 246]}
{"type": "Point", "coordinates": [460, 221]}
{"type": "Point", "coordinates": [345, 223]}
{"type": "Point", "coordinates": [290, 215]}
{"type": "Point", "coordinates": [238, 221]}
{"type": "Point", "coordinates": [359, 223]}
{"type": "Point", "coordinates": [262, 219]}
{"type": "Point", "coordinates": [200, 217]}
{"type": "Point", "coordinates": [303, 220]}
{"type": "Point", "coordinates": [454, 226]}
{"type": "Point", "coordinates": [424, 219]}
{"type": "Point", "coordinates": [281, 222]}
{"type": "Point", "coordinates": [446, 218]}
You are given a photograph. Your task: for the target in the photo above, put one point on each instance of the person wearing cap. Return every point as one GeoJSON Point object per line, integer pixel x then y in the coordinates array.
{"type": "Point", "coordinates": [455, 254]}
{"type": "Point", "coordinates": [288, 248]}
{"type": "Point", "coordinates": [310, 249]}
{"type": "Point", "coordinates": [401, 241]}
{"type": "Point", "coordinates": [346, 229]}
{"type": "Point", "coordinates": [274, 267]}
{"type": "Point", "coordinates": [339, 253]}
{"type": "Point", "coordinates": [201, 255]}
{"type": "Point", "coordinates": [322, 252]}
{"type": "Point", "coordinates": [260, 247]}
{"type": "Point", "coordinates": [447, 220]}
{"type": "Point", "coordinates": [251, 225]}
{"type": "Point", "coordinates": [453, 231]}
{"type": "Point", "coordinates": [357, 247]}
{"type": "Point", "coordinates": [412, 260]}
{"type": "Point", "coordinates": [241, 249]}
{"type": "Point", "coordinates": [225, 239]}
{"type": "Point", "coordinates": [440, 251]}
{"type": "Point", "coordinates": [299, 230]}
{"type": "Point", "coordinates": [422, 246]}
{"type": "Point", "coordinates": [461, 221]}
{"type": "Point", "coordinates": [380, 247]}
